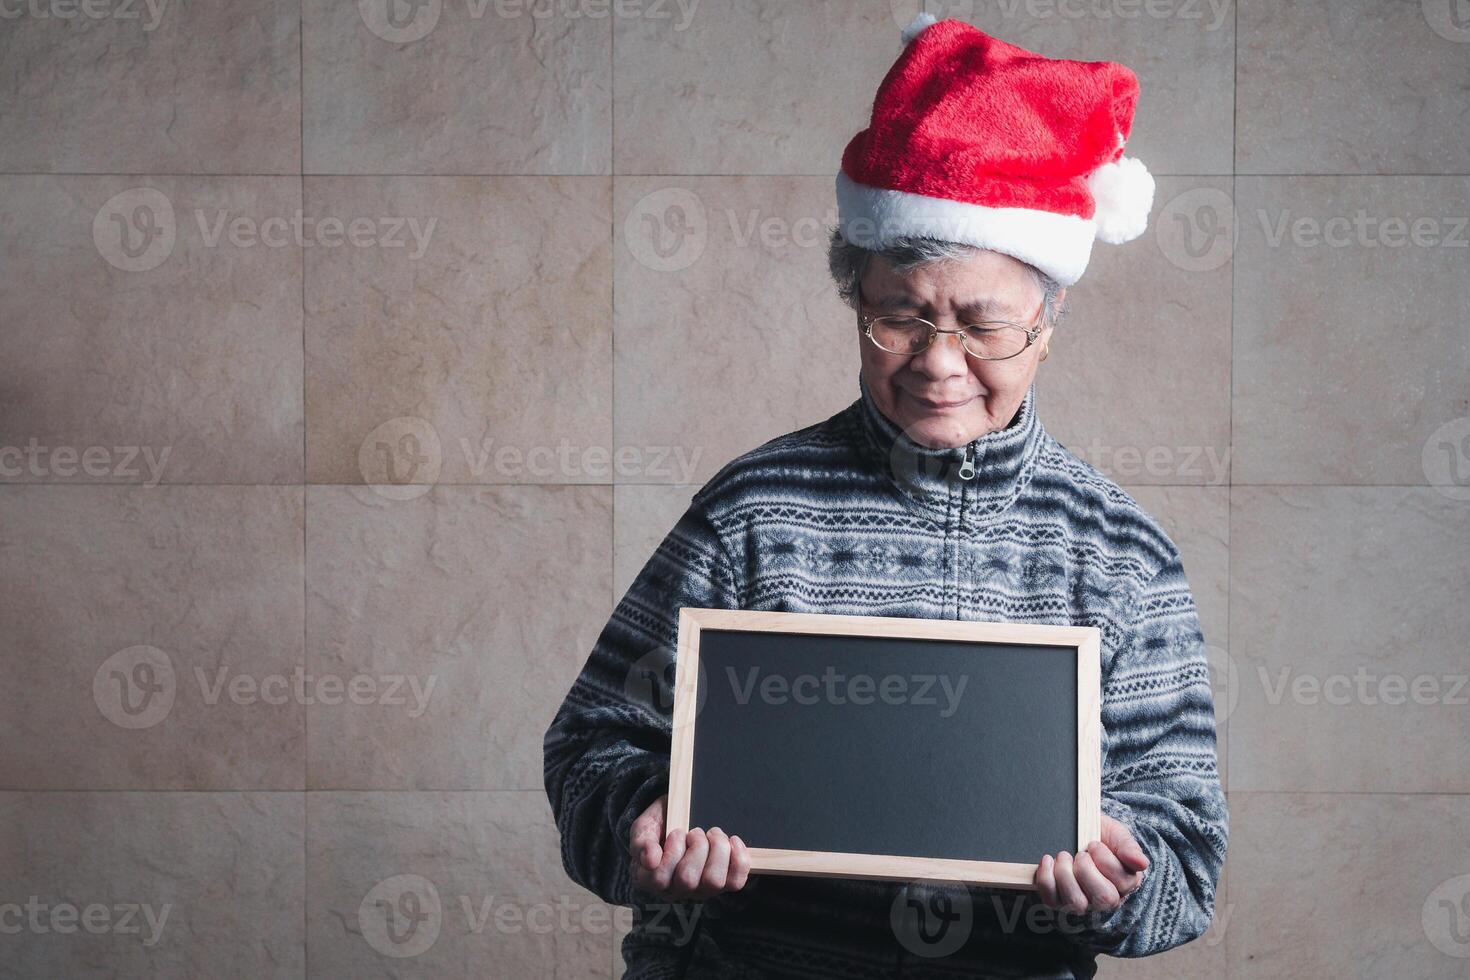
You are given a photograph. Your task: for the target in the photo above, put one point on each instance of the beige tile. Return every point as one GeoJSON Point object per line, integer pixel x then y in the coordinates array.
{"type": "Point", "coordinates": [153, 884]}
{"type": "Point", "coordinates": [729, 330]}
{"type": "Point", "coordinates": [1197, 520]}
{"type": "Point", "coordinates": [1138, 381]}
{"type": "Point", "coordinates": [157, 634]}
{"type": "Point", "coordinates": [1348, 626]}
{"type": "Point", "coordinates": [482, 87]}
{"type": "Point", "coordinates": [151, 87]}
{"type": "Point", "coordinates": [1328, 86]}
{"type": "Point", "coordinates": [1351, 885]}
{"type": "Point", "coordinates": [480, 604]}
{"type": "Point", "coordinates": [178, 363]}
{"type": "Point", "coordinates": [481, 362]}
{"type": "Point", "coordinates": [482, 873]}
{"type": "Point", "coordinates": [733, 88]}
{"type": "Point", "coordinates": [1180, 50]}
{"type": "Point", "coordinates": [1351, 350]}
{"type": "Point", "coordinates": [642, 517]}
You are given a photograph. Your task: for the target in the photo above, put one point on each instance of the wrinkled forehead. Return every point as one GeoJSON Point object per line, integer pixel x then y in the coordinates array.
{"type": "Point", "coordinates": [984, 285]}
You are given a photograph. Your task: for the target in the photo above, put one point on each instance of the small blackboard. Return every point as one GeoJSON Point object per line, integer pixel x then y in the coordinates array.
{"type": "Point", "coordinates": [890, 748]}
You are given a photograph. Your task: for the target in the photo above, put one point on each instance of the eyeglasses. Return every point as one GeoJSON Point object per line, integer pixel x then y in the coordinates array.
{"type": "Point", "coordinates": [988, 340]}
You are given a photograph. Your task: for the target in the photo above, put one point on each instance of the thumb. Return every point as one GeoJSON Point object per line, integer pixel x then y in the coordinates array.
{"type": "Point", "coordinates": [1125, 847]}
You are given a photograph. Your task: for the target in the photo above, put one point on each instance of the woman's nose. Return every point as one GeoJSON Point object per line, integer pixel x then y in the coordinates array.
{"type": "Point", "coordinates": [943, 358]}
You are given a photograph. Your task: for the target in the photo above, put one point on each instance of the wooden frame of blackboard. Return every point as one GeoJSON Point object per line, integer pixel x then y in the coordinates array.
{"type": "Point", "coordinates": [1084, 639]}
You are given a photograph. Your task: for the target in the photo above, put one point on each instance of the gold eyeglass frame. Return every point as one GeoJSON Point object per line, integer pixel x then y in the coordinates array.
{"type": "Point", "coordinates": [865, 323]}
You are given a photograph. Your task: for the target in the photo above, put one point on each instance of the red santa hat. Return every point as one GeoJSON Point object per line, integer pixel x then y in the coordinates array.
{"type": "Point", "coordinates": [978, 141]}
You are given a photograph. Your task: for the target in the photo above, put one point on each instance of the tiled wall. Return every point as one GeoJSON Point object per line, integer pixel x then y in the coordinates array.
{"type": "Point", "coordinates": [352, 360]}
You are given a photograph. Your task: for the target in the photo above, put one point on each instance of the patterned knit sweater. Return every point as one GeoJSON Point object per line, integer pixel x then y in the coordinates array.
{"type": "Point", "coordinates": [850, 516]}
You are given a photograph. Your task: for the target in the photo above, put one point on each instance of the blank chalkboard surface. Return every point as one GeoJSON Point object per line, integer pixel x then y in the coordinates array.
{"type": "Point", "coordinates": [882, 747]}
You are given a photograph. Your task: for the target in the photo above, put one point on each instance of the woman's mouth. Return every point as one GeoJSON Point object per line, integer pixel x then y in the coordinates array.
{"type": "Point", "coordinates": [941, 404]}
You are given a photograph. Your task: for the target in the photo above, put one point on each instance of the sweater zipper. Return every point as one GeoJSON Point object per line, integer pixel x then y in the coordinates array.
{"type": "Point", "coordinates": [967, 468]}
{"type": "Point", "coordinates": [967, 473]}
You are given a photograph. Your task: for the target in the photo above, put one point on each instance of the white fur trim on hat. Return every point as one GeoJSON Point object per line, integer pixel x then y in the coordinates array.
{"type": "Point", "coordinates": [1057, 244]}
{"type": "Point", "coordinates": [1123, 192]}
{"type": "Point", "coordinates": [917, 25]}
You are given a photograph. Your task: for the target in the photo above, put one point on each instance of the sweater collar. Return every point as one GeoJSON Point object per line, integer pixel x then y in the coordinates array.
{"type": "Point", "coordinates": [987, 473]}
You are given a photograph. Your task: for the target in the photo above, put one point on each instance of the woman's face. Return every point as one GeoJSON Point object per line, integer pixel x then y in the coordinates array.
{"type": "Point", "coordinates": [943, 397]}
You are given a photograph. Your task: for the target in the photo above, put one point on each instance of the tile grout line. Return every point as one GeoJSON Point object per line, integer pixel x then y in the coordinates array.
{"type": "Point", "coordinates": [1123, 481]}
{"type": "Point", "coordinates": [320, 791]}
{"type": "Point", "coordinates": [1364, 175]}
{"type": "Point", "coordinates": [305, 612]}
{"type": "Point", "coordinates": [612, 296]}
{"type": "Point", "coordinates": [1230, 448]}
{"type": "Point", "coordinates": [614, 949]}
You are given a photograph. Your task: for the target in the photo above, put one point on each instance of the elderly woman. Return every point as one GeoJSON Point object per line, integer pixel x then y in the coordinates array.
{"type": "Point", "coordinates": [937, 493]}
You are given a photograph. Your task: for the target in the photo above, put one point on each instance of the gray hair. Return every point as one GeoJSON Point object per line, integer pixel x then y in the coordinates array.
{"type": "Point", "coordinates": [847, 263]}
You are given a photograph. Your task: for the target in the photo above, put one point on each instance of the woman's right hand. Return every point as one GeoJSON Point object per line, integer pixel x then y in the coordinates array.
{"type": "Point", "coordinates": [682, 865]}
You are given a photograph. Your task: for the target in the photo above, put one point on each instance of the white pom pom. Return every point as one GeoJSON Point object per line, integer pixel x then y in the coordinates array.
{"type": "Point", "coordinates": [917, 25]}
{"type": "Point", "coordinates": [1124, 193]}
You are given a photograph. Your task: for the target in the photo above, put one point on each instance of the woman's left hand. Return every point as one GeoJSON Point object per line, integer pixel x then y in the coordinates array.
{"type": "Point", "coordinates": [1099, 878]}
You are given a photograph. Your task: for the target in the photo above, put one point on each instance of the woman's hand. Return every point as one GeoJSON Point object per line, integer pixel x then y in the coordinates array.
{"type": "Point", "coordinates": [693, 864]}
{"type": "Point", "coordinates": [1098, 879]}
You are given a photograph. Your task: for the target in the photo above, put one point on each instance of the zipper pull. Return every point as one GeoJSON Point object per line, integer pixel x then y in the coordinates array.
{"type": "Point", "coordinates": [967, 468]}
